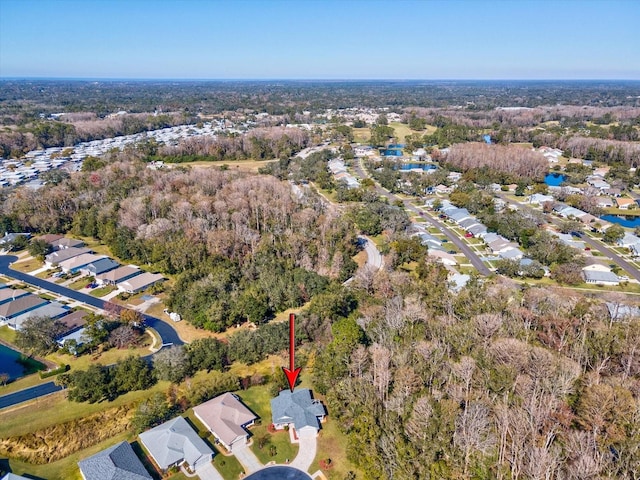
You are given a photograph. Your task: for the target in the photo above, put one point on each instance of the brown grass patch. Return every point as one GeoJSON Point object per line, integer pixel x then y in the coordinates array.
{"type": "Point", "coordinates": [61, 440]}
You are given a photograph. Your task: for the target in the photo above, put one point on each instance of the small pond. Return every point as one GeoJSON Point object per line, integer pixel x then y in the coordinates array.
{"type": "Point", "coordinates": [10, 364]}
{"type": "Point", "coordinates": [412, 166]}
{"type": "Point", "coordinates": [554, 179]}
{"type": "Point", "coordinates": [629, 221]}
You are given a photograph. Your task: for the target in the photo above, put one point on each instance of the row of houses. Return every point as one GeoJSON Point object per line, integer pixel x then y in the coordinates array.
{"type": "Point", "coordinates": [175, 443]}
{"type": "Point", "coordinates": [27, 170]}
{"type": "Point", "coordinates": [497, 244]}
{"type": "Point", "coordinates": [18, 305]}
{"type": "Point", "coordinates": [339, 171]}
{"type": "Point", "coordinates": [72, 257]}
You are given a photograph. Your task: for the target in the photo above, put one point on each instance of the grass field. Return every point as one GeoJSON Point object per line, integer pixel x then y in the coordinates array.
{"type": "Point", "coordinates": [102, 291]}
{"type": "Point", "coordinates": [26, 266]}
{"type": "Point", "coordinates": [258, 399]}
{"type": "Point", "coordinates": [241, 165]}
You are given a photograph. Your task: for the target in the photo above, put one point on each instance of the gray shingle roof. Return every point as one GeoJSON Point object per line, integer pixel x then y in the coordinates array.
{"type": "Point", "coordinates": [174, 441]}
{"type": "Point", "coordinates": [297, 408]}
{"type": "Point", "coordinates": [116, 463]}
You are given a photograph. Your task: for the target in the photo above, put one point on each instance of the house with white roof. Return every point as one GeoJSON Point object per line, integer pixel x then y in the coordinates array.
{"type": "Point", "coordinates": [600, 275]}
{"type": "Point", "coordinates": [175, 443]}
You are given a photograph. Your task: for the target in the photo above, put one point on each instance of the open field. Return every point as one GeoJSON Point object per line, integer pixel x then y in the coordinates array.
{"type": "Point", "coordinates": [241, 165]}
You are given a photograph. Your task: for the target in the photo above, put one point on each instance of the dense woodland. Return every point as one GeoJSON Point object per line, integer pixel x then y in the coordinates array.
{"type": "Point", "coordinates": [241, 247]}
{"type": "Point", "coordinates": [499, 380]}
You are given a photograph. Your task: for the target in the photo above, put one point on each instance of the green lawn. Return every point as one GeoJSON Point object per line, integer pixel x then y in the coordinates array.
{"type": "Point", "coordinates": [80, 283]}
{"type": "Point", "coordinates": [228, 466]}
{"type": "Point", "coordinates": [102, 291]}
{"type": "Point", "coordinates": [258, 399]}
{"type": "Point", "coordinates": [27, 266]}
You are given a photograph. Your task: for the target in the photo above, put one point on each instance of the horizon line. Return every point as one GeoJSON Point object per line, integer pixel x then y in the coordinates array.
{"type": "Point", "coordinates": [311, 79]}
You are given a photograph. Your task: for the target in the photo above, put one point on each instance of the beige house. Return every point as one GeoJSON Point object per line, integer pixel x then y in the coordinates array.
{"type": "Point", "coordinates": [226, 418]}
{"type": "Point", "coordinates": [625, 203]}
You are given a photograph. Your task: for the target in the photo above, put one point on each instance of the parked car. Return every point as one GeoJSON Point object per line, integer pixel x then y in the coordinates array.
{"type": "Point", "coordinates": [468, 235]}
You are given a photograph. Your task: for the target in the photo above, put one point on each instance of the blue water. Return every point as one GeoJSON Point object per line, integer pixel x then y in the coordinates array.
{"type": "Point", "coordinates": [423, 166]}
{"type": "Point", "coordinates": [9, 364]}
{"type": "Point", "coordinates": [392, 153]}
{"type": "Point", "coordinates": [629, 222]}
{"type": "Point", "coordinates": [397, 145]}
{"type": "Point", "coordinates": [554, 179]}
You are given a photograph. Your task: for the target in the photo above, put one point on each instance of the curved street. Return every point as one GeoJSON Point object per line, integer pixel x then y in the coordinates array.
{"type": "Point", "coordinates": [167, 333]}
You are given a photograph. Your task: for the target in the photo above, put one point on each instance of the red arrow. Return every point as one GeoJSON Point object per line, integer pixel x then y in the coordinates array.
{"type": "Point", "coordinates": [292, 373]}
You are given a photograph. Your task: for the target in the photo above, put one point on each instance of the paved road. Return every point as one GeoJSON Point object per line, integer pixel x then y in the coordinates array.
{"type": "Point", "coordinates": [614, 257]}
{"type": "Point", "coordinates": [28, 394]}
{"type": "Point", "coordinates": [374, 258]}
{"type": "Point", "coordinates": [168, 334]}
{"type": "Point", "coordinates": [455, 239]}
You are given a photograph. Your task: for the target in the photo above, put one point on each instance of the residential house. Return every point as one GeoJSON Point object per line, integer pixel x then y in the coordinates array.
{"type": "Point", "coordinates": [73, 321]}
{"type": "Point", "coordinates": [299, 410]}
{"type": "Point", "coordinates": [468, 223]}
{"type": "Point", "coordinates": [444, 257]}
{"type": "Point", "coordinates": [539, 199]}
{"type": "Point", "coordinates": [511, 254]}
{"type": "Point", "coordinates": [459, 214]}
{"type": "Point", "coordinates": [443, 189]}
{"type": "Point", "coordinates": [501, 245]}
{"type": "Point", "coordinates": [628, 240]}
{"type": "Point", "coordinates": [174, 443]}
{"type": "Point", "coordinates": [116, 463]}
{"type": "Point", "coordinates": [50, 237]}
{"type": "Point", "coordinates": [601, 172]}
{"type": "Point", "coordinates": [20, 305]}
{"type": "Point", "coordinates": [76, 263]}
{"type": "Point", "coordinates": [58, 256]}
{"type": "Point", "coordinates": [64, 242]}
{"type": "Point", "coordinates": [598, 183]}
{"type": "Point", "coordinates": [119, 274]}
{"type": "Point", "coordinates": [140, 282]}
{"type": "Point", "coordinates": [568, 240]}
{"type": "Point", "coordinates": [52, 310]}
{"type": "Point", "coordinates": [477, 230]}
{"type": "Point", "coordinates": [625, 203]}
{"type": "Point", "coordinates": [227, 418]}
{"type": "Point", "coordinates": [99, 266]}
{"type": "Point", "coordinates": [599, 274]}
{"type": "Point", "coordinates": [491, 237]}
{"type": "Point", "coordinates": [12, 237]}
{"type": "Point", "coordinates": [458, 281]}
{"type": "Point", "coordinates": [10, 294]}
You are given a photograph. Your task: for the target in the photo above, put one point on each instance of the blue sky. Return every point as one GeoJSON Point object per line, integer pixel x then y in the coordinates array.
{"type": "Point", "coordinates": [314, 39]}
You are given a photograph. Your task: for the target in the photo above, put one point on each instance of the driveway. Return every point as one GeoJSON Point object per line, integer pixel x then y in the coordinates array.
{"type": "Point", "coordinates": [208, 472]}
{"type": "Point", "coordinates": [306, 453]}
{"type": "Point", "coordinates": [246, 458]}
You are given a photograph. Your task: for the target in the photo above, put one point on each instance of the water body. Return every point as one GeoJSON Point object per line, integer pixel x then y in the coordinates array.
{"type": "Point", "coordinates": [9, 363]}
{"type": "Point", "coordinates": [554, 179]}
{"type": "Point", "coordinates": [279, 472]}
{"type": "Point", "coordinates": [422, 166]}
{"type": "Point", "coordinates": [625, 221]}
